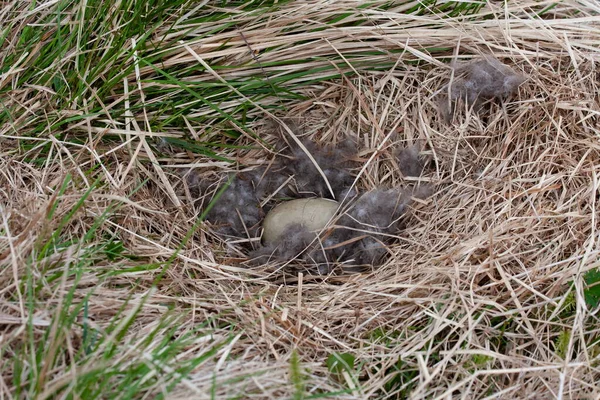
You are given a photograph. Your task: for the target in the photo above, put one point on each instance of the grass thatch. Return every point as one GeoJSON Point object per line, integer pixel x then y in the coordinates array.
{"type": "Point", "coordinates": [112, 287]}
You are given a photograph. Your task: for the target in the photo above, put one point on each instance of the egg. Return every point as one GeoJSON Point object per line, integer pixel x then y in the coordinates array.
{"type": "Point", "coordinates": [313, 214]}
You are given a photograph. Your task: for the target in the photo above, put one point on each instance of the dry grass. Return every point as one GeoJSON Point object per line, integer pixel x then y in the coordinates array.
{"type": "Point", "coordinates": [483, 296]}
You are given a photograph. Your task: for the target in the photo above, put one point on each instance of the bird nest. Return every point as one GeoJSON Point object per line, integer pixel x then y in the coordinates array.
{"type": "Point", "coordinates": [356, 239]}
{"type": "Point", "coordinates": [297, 164]}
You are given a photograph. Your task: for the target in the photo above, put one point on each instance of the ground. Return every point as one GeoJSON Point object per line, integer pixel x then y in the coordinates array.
{"type": "Point", "coordinates": [112, 284]}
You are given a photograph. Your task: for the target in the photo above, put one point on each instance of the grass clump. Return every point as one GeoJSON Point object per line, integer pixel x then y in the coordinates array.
{"type": "Point", "coordinates": [113, 285]}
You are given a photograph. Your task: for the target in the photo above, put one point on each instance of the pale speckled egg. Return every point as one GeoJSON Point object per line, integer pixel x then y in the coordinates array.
{"type": "Point", "coordinates": [314, 214]}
